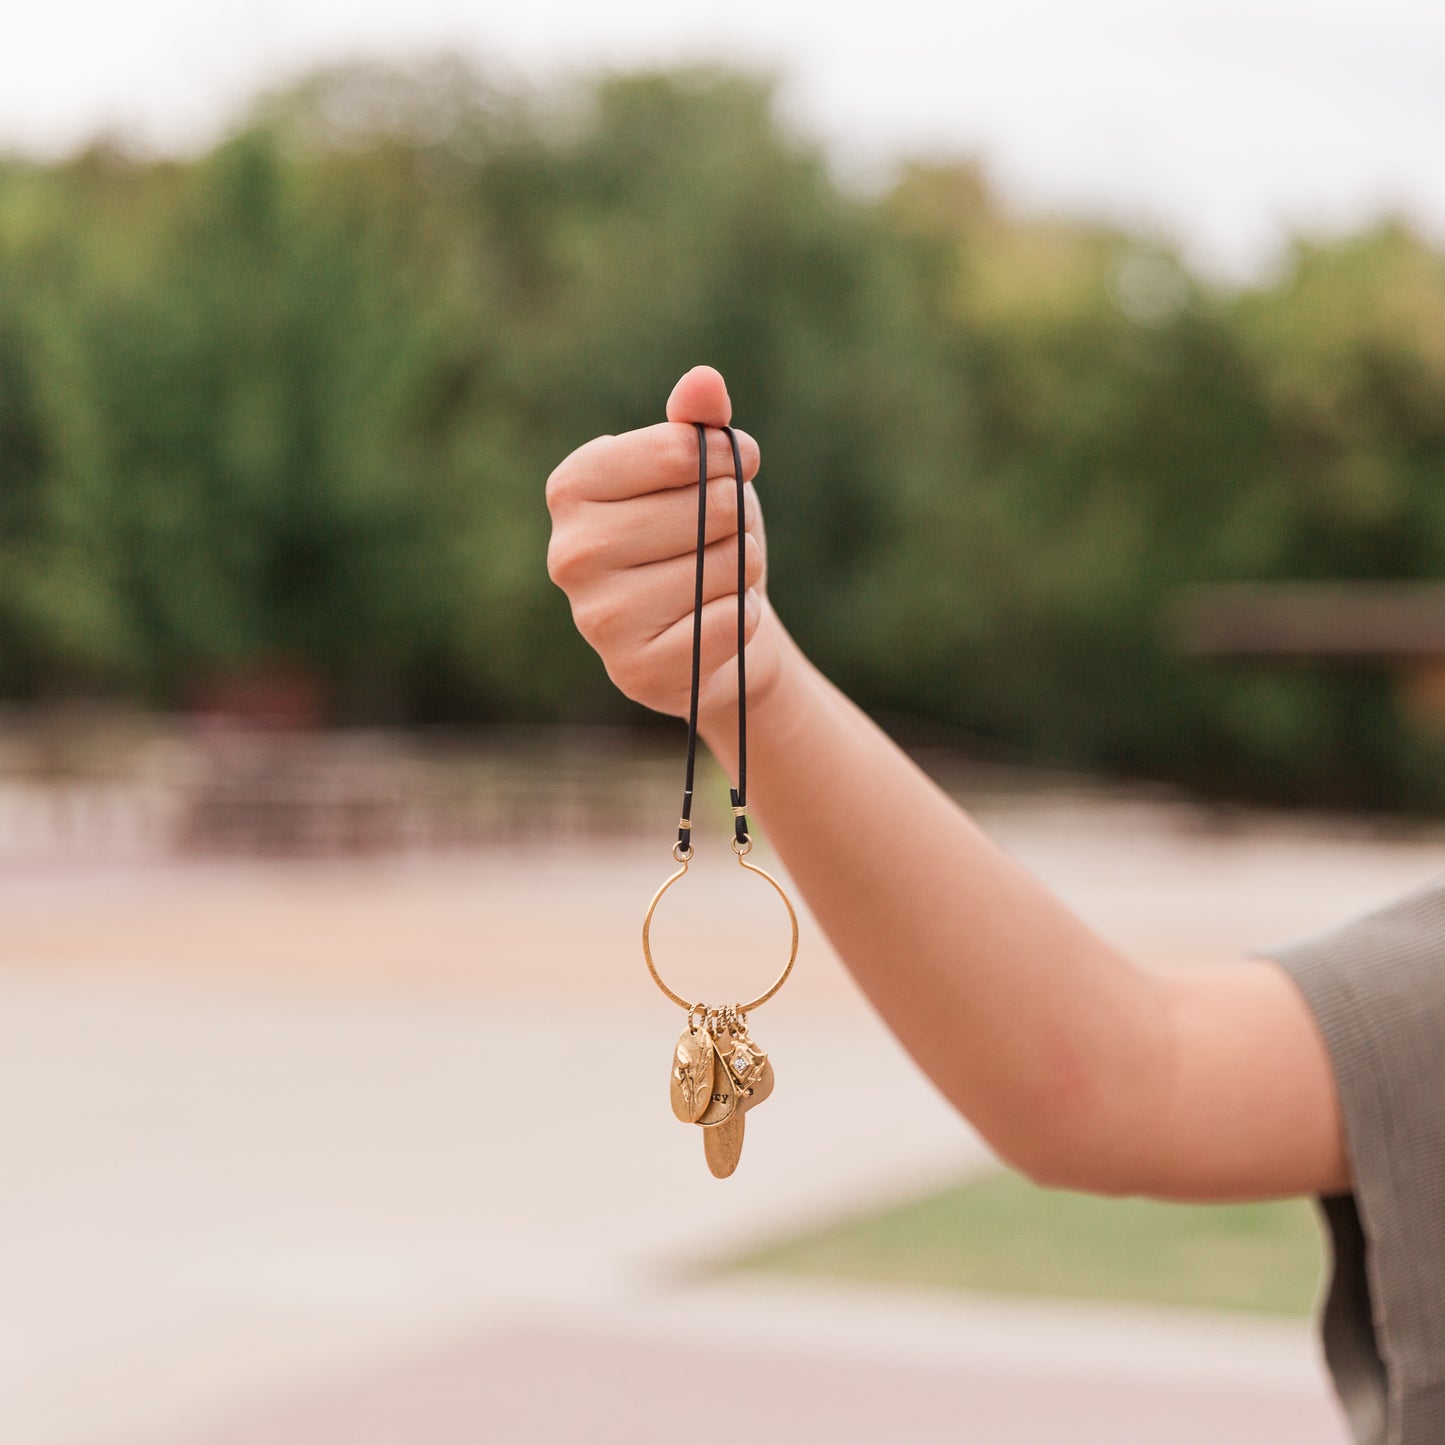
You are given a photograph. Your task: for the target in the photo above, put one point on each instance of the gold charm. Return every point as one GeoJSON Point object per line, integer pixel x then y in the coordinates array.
{"type": "Point", "coordinates": [759, 1087]}
{"type": "Point", "coordinates": [692, 1074]}
{"type": "Point", "coordinates": [718, 1074]}
{"type": "Point", "coordinates": [723, 1100]}
{"type": "Point", "coordinates": [743, 1057]}
{"type": "Point", "coordinates": [722, 1145]}
{"type": "Point", "coordinates": [749, 1065]}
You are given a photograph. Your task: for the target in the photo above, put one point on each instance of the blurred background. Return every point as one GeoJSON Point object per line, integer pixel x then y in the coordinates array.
{"type": "Point", "coordinates": [1097, 357]}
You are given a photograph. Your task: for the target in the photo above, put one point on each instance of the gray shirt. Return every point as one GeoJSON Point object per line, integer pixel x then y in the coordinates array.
{"type": "Point", "coordinates": [1376, 986]}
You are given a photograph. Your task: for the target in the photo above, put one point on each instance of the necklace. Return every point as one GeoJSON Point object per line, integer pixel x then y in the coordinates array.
{"type": "Point", "coordinates": [718, 1072]}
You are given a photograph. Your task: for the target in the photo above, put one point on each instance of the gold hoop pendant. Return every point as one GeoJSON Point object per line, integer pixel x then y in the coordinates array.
{"type": "Point", "coordinates": [782, 978]}
{"type": "Point", "coordinates": [717, 1071]}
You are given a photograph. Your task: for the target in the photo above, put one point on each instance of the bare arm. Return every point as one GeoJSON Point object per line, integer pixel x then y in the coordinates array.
{"type": "Point", "coordinates": [1080, 1066]}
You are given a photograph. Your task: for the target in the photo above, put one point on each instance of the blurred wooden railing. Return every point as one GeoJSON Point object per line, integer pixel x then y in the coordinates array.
{"type": "Point", "coordinates": [103, 789]}
{"type": "Point", "coordinates": [1397, 627]}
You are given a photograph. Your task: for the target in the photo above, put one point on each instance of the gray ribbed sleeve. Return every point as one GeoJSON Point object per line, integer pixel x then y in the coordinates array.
{"type": "Point", "coordinates": [1376, 986]}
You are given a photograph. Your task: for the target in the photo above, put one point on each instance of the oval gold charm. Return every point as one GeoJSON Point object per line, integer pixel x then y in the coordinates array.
{"type": "Point", "coordinates": [722, 1145]}
{"type": "Point", "coordinates": [692, 1075]}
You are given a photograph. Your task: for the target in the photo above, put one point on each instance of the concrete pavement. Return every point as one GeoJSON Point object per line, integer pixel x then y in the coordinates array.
{"type": "Point", "coordinates": [314, 1148]}
{"type": "Point", "coordinates": [804, 1364]}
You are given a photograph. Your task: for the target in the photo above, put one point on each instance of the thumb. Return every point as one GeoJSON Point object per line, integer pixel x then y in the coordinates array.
{"type": "Point", "coordinates": [701, 396]}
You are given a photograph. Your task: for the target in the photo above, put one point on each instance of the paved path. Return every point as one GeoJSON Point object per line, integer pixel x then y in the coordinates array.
{"type": "Point", "coordinates": [313, 1149]}
{"type": "Point", "coordinates": [749, 1361]}
{"type": "Point", "coordinates": [229, 1195]}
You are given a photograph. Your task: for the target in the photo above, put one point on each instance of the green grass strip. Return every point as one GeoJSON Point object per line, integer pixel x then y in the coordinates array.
{"type": "Point", "coordinates": [1000, 1233]}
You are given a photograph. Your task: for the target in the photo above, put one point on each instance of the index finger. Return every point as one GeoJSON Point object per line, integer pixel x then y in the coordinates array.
{"type": "Point", "coordinates": [652, 459]}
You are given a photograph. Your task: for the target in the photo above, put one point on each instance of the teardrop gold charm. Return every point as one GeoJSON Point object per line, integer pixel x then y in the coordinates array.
{"type": "Point", "coordinates": [759, 1087]}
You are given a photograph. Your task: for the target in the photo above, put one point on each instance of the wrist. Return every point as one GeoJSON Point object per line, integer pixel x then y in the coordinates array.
{"type": "Point", "coordinates": [779, 689]}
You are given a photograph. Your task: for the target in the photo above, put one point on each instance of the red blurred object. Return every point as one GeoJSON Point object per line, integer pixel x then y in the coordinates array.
{"type": "Point", "coordinates": [274, 696]}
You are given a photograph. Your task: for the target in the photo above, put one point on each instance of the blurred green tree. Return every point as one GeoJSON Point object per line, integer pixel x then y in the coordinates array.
{"type": "Point", "coordinates": [293, 401]}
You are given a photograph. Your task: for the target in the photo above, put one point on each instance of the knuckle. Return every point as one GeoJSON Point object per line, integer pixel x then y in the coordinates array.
{"type": "Point", "coordinates": [628, 676]}
{"type": "Point", "coordinates": [752, 456]}
{"type": "Point", "coordinates": [752, 558]}
{"type": "Point", "coordinates": [568, 480]}
{"type": "Point", "coordinates": [584, 619]}
{"type": "Point", "coordinates": [667, 446]}
{"type": "Point", "coordinates": [722, 502]}
{"type": "Point", "coordinates": [721, 648]}
{"type": "Point", "coordinates": [572, 557]}
{"type": "Point", "coordinates": [558, 488]}
{"type": "Point", "coordinates": [752, 508]}
{"type": "Point", "coordinates": [720, 623]}
{"type": "Point", "coordinates": [722, 566]}
{"type": "Point", "coordinates": [597, 617]}
{"type": "Point", "coordinates": [720, 451]}
{"type": "Point", "coordinates": [558, 561]}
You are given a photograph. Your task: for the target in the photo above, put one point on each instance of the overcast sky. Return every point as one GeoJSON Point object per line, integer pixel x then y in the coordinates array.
{"type": "Point", "coordinates": [1224, 124]}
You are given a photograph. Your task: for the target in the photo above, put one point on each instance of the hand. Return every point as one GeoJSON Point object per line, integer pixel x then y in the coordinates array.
{"type": "Point", "coordinates": [624, 538]}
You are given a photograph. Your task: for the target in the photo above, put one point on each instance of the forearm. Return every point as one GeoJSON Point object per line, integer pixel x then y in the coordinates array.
{"type": "Point", "coordinates": [1040, 1032]}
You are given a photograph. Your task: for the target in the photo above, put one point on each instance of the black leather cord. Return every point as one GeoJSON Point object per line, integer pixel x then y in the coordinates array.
{"type": "Point", "coordinates": [739, 794]}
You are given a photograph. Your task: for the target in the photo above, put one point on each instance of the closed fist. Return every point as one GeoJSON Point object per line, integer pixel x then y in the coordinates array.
{"type": "Point", "coordinates": [623, 548]}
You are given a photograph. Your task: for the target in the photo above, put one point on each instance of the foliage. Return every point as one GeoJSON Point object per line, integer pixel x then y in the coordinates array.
{"type": "Point", "coordinates": [293, 401]}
